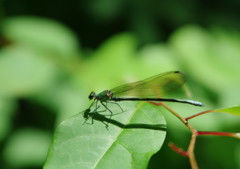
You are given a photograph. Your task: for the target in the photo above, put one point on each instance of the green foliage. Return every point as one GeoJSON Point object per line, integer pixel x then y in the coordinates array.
{"type": "Point", "coordinates": [22, 60]}
{"type": "Point", "coordinates": [214, 54]}
{"type": "Point", "coordinates": [93, 146]}
{"type": "Point", "coordinates": [7, 107]}
{"type": "Point", "coordinates": [27, 147]}
{"type": "Point", "coordinates": [42, 34]}
{"type": "Point", "coordinates": [32, 67]}
{"type": "Point", "coordinates": [46, 78]}
{"type": "Point", "coordinates": [230, 110]}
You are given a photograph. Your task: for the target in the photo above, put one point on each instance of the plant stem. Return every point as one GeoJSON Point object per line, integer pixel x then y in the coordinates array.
{"type": "Point", "coordinates": [190, 150]}
{"type": "Point", "coordinates": [178, 150]}
{"type": "Point", "coordinates": [191, 147]}
{"type": "Point", "coordinates": [198, 114]}
{"type": "Point", "coordinates": [215, 133]}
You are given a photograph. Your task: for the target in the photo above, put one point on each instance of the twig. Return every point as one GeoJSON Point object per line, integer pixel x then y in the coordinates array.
{"type": "Point", "coordinates": [178, 150]}
{"type": "Point", "coordinates": [216, 133]}
{"type": "Point", "coordinates": [198, 114]}
{"type": "Point", "coordinates": [190, 150]}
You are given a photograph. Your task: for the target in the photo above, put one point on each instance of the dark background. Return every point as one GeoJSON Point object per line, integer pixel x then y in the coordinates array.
{"type": "Point", "coordinates": [151, 21]}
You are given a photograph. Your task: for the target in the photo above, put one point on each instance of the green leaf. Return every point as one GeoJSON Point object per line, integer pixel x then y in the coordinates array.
{"type": "Point", "coordinates": [157, 58]}
{"type": "Point", "coordinates": [7, 109]}
{"type": "Point", "coordinates": [24, 71]}
{"type": "Point", "coordinates": [216, 51]}
{"type": "Point", "coordinates": [43, 34]}
{"type": "Point", "coordinates": [108, 59]}
{"type": "Point", "coordinates": [230, 110]}
{"type": "Point", "coordinates": [26, 148]}
{"type": "Point", "coordinates": [93, 146]}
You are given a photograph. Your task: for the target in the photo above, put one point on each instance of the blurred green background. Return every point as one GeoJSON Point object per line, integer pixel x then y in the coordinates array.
{"type": "Point", "coordinates": [53, 53]}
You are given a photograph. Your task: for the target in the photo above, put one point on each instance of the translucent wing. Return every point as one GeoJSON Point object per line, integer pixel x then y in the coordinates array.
{"type": "Point", "coordinates": [158, 85]}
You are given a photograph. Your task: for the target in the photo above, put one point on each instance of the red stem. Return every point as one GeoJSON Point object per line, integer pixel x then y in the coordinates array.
{"type": "Point", "coordinates": [215, 133]}
{"type": "Point", "coordinates": [198, 114]}
{"type": "Point", "coordinates": [178, 150]}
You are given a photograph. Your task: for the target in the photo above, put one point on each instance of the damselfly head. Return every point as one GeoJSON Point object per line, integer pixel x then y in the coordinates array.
{"type": "Point", "coordinates": [92, 95]}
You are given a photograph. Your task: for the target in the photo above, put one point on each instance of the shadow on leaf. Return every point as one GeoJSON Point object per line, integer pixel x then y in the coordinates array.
{"type": "Point", "coordinates": [95, 115]}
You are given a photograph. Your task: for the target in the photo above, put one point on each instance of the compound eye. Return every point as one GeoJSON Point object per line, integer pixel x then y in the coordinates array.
{"type": "Point", "coordinates": [91, 95]}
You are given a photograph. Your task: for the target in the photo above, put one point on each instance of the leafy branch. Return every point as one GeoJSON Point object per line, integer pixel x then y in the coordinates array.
{"type": "Point", "coordinates": [132, 138]}
{"type": "Point", "coordinates": [190, 150]}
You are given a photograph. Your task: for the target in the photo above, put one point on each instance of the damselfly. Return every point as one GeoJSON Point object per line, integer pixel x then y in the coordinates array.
{"type": "Point", "coordinates": [144, 90]}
